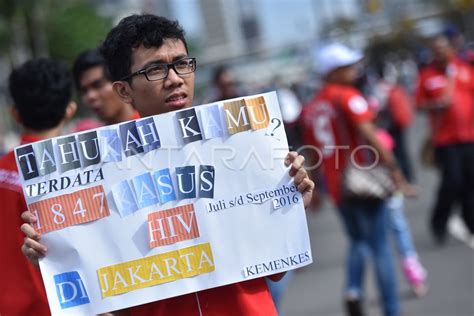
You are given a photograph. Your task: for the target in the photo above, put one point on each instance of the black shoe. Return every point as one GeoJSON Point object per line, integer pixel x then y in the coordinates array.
{"type": "Point", "coordinates": [354, 307]}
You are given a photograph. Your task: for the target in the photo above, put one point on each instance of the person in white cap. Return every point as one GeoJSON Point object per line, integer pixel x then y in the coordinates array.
{"type": "Point", "coordinates": [338, 121]}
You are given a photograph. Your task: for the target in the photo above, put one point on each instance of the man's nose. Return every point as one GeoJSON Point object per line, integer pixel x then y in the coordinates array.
{"type": "Point", "coordinates": [173, 79]}
{"type": "Point", "coordinates": [90, 96]}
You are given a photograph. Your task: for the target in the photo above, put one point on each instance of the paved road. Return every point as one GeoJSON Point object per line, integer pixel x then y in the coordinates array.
{"type": "Point", "coordinates": [317, 289]}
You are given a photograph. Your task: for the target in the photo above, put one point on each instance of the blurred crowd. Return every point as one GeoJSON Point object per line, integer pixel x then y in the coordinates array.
{"type": "Point", "coordinates": [353, 110]}
{"type": "Point", "coordinates": [354, 99]}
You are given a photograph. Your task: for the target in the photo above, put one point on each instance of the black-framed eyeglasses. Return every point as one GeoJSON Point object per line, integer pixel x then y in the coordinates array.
{"type": "Point", "coordinates": [160, 71]}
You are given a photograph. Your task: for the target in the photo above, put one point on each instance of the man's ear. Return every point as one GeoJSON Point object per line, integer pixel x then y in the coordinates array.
{"type": "Point", "coordinates": [15, 115]}
{"type": "Point", "coordinates": [123, 90]}
{"type": "Point", "coordinates": [70, 111]}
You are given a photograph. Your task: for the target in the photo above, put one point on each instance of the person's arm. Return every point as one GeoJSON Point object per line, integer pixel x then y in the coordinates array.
{"type": "Point", "coordinates": [367, 131]}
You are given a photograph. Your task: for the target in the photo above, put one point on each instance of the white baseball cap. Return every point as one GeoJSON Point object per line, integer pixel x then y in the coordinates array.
{"type": "Point", "coordinates": [336, 55]}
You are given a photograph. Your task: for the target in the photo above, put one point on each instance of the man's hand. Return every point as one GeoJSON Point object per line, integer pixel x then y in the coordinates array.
{"type": "Point", "coordinates": [32, 248]}
{"type": "Point", "coordinates": [302, 181]}
{"type": "Point", "coordinates": [402, 184]}
{"type": "Point", "coordinates": [276, 277]}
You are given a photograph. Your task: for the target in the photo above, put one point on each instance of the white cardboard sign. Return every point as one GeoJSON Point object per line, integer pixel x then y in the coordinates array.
{"type": "Point", "coordinates": [163, 206]}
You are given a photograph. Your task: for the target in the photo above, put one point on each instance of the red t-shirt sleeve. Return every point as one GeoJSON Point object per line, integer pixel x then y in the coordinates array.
{"type": "Point", "coordinates": [306, 120]}
{"type": "Point", "coordinates": [400, 107]}
{"type": "Point", "coordinates": [356, 108]}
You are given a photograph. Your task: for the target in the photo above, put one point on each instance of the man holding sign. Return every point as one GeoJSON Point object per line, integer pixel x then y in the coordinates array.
{"type": "Point", "coordinates": [148, 61]}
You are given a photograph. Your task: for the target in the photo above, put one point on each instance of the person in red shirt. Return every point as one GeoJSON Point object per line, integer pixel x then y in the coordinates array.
{"type": "Point", "coordinates": [338, 121]}
{"type": "Point", "coordinates": [95, 89]}
{"type": "Point", "coordinates": [445, 91]}
{"type": "Point", "coordinates": [394, 109]}
{"type": "Point", "coordinates": [148, 62]}
{"type": "Point", "coordinates": [41, 90]}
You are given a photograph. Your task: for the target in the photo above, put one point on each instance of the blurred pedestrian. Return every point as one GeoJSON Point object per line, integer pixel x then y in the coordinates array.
{"type": "Point", "coordinates": [412, 268]}
{"type": "Point", "coordinates": [394, 113]}
{"type": "Point", "coordinates": [338, 121]}
{"type": "Point", "coordinates": [445, 91]}
{"type": "Point", "coordinates": [225, 85]}
{"type": "Point", "coordinates": [95, 89]}
{"type": "Point", "coordinates": [41, 90]}
{"type": "Point", "coordinates": [290, 107]}
{"type": "Point", "coordinates": [394, 110]}
{"type": "Point", "coordinates": [463, 50]}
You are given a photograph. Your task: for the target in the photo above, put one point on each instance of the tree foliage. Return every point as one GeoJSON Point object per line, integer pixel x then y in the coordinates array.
{"type": "Point", "coordinates": [60, 29]}
{"type": "Point", "coordinates": [74, 28]}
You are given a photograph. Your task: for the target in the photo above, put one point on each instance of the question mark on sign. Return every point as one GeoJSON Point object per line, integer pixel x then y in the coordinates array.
{"type": "Point", "coordinates": [278, 124]}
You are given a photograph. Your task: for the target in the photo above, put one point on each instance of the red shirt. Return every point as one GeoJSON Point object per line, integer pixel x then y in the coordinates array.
{"type": "Point", "coordinates": [21, 287]}
{"type": "Point", "coordinates": [455, 124]}
{"type": "Point", "coordinates": [136, 115]}
{"type": "Point", "coordinates": [250, 298]}
{"type": "Point", "coordinates": [330, 120]}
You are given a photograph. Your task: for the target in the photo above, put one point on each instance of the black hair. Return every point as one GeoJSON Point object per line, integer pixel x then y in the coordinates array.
{"type": "Point", "coordinates": [145, 29]}
{"type": "Point", "coordinates": [379, 68]}
{"type": "Point", "coordinates": [86, 60]}
{"type": "Point", "coordinates": [41, 90]}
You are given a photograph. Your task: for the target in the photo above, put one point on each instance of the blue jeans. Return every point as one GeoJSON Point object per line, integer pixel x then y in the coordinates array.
{"type": "Point", "coordinates": [278, 288]}
{"type": "Point", "coordinates": [367, 225]}
{"type": "Point", "coordinates": [399, 227]}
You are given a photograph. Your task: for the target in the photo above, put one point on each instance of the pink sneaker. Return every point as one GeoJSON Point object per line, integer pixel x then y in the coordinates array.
{"type": "Point", "coordinates": [416, 275]}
